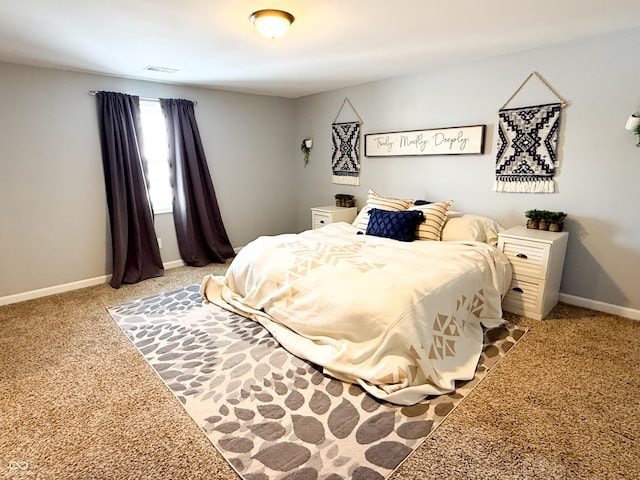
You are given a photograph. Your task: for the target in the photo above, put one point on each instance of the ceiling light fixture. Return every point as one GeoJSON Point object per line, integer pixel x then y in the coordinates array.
{"type": "Point", "coordinates": [272, 23]}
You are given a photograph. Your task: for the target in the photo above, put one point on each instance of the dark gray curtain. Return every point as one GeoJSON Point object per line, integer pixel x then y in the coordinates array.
{"type": "Point", "coordinates": [202, 238]}
{"type": "Point", "coordinates": [136, 255]}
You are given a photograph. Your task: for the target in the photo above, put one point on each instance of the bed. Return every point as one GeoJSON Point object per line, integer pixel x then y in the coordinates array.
{"type": "Point", "coordinates": [403, 319]}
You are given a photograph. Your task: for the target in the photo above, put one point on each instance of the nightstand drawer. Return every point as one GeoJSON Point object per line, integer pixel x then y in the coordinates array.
{"type": "Point", "coordinates": [321, 216]}
{"type": "Point", "coordinates": [524, 296]}
{"type": "Point", "coordinates": [527, 258]}
{"type": "Point", "coordinates": [320, 219]}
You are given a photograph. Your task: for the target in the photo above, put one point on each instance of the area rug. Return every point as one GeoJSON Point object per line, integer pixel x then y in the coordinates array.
{"type": "Point", "coordinates": [271, 414]}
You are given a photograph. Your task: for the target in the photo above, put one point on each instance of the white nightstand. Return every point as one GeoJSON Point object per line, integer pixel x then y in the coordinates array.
{"type": "Point", "coordinates": [321, 216]}
{"type": "Point", "coordinates": [537, 257]}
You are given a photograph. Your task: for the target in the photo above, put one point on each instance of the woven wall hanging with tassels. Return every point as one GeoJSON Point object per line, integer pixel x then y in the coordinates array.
{"type": "Point", "coordinates": [345, 160]}
{"type": "Point", "coordinates": [528, 144]}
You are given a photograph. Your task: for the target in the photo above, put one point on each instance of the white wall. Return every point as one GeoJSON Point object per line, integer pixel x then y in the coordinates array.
{"type": "Point", "coordinates": [54, 226]}
{"type": "Point", "coordinates": [599, 162]}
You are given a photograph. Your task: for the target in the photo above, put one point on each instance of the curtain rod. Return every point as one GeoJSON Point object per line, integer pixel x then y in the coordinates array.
{"type": "Point", "coordinates": [93, 93]}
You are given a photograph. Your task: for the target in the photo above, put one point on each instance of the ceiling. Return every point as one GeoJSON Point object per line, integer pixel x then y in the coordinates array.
{"type": "Point", "coordinates": [331, 44]}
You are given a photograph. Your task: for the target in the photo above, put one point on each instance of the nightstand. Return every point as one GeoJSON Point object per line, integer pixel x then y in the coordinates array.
{"type": "Point", "coordinates": [537, 258]}
{"type": "Point", "coordinates": [321, 216]}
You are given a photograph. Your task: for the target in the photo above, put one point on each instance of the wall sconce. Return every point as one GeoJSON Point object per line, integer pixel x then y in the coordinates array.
{"type": "Point", "coordinates": [633, 124]}
{"type": "Point", "coordinates": [272, 23]}
{"type": "Point", "coordinates": [305, 147]}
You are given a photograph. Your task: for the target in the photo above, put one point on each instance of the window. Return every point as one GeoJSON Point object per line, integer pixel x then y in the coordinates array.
{"type": "Point", "coordinates": [156, 152]}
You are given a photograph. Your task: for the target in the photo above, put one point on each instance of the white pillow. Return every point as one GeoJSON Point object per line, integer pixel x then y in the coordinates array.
{"type": "Point", "coordinates": [468, 227]}
{"type": "Point", "coordinates": [383, 203]}
{"type": "Point", "coordinates": [435, 216]}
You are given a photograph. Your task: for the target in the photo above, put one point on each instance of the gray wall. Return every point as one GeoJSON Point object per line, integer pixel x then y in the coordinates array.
{"type": "Point", "coordinates": [599, 162]}
{"type": "Point", "coordinates": [53, 215]}
{"type": "Point", "coordinates": [53, 218]}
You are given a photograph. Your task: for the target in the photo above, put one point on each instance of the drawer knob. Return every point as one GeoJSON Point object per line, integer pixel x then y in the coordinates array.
{"type": "Point", "coordinates": [321, 221]}
{"type": "Point", "coordinates": [517, 289]}
{"type": "Point", "coordinates": [521, 255]}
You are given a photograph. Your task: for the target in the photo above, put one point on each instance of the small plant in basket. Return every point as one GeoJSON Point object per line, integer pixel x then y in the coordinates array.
{"type": "Point", "coordinates": [533, 218]}
{"type": "Point", "coordinates": [557, 221]}
{"type": "Point", "coordinates": [545, 219]}
{"type": "Point", "coordinates": [345, 200]}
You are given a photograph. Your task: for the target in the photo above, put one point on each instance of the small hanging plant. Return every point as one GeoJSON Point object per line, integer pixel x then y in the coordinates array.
{"type": "Point", "coordinates": [633, 125]}
{"type": "Point", "coordinates": [305, 148]}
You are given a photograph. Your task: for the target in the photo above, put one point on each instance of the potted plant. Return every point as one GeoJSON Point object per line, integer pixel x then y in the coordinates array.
{"type": "Point", "coordinates": [557, 221]}
{"type": "Point", "coordinates": [545, 220]}
{"type": "Point", "coordinates": [349, 201]}
{"type": "Point", "coordinates": [533, 218]}
{"type": "Point", "coordinates": [345, 200]}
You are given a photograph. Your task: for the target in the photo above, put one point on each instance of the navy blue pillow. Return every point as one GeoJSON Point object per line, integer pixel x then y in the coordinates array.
{"type": "Point", "coordinates": [397, 225]}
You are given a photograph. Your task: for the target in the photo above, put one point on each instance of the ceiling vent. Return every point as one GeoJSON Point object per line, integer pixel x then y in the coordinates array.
{"type": "Point", "coordinates": [153, 68]}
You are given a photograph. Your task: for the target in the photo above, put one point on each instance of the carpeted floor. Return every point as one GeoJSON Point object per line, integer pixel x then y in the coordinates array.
{"type": "Point", "coordinates": [77, 401]}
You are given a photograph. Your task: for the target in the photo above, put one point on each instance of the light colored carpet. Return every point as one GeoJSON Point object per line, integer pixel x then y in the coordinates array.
{"type": "Point", "coordinates": [77, 401]}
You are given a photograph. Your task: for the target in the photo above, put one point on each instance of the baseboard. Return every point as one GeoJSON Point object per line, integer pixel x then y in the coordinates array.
{"type": "Point", "coordinates": [626, 312]}
{"type": "Point", "coordinates": [173, 264]}
{"type": "Point", "coordinates": [67, 287]}
{"type": "Point", "coordinates": [45, 292]}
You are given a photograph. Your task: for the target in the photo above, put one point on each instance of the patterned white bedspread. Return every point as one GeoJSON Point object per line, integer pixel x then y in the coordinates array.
{"type": "Point", "coordinates": [402, 319]}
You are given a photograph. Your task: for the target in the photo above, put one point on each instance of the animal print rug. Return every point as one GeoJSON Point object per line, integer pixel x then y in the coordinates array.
{"type": "Point", "coordinates": [271, 414]}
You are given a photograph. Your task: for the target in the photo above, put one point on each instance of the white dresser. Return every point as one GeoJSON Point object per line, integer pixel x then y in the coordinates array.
{"type": "Point", "coordinates": [321, 216]}
{"type": "Point", "coordinates": [537, 257]}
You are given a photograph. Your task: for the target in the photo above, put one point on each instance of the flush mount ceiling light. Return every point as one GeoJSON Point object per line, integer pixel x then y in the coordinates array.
{"type": "Point", "coordinates": [272, 23]}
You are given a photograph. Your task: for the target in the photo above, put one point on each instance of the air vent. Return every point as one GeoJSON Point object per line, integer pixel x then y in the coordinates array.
{"type": "Point", "coordinates": [153, 68]}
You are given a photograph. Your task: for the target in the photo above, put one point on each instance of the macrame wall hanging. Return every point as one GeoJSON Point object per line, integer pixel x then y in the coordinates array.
{"type": "Point", "coordinates": [527, 156]}
{"type": "Point", "coordinates": [345, 160]}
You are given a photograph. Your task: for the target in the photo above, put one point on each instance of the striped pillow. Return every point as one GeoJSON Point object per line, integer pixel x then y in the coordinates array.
{"type": "Point", "coordinates": [383, 203]}
{"type": "Point", "coordinates": [435, 215]}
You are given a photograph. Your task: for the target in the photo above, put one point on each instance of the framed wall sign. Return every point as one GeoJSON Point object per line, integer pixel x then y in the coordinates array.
{"type": "Point", "coordinates": [467, 140]}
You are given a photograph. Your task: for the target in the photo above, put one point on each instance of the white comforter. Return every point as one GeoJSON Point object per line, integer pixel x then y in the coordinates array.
{"type": "Point", "coordinates": [401, 319]}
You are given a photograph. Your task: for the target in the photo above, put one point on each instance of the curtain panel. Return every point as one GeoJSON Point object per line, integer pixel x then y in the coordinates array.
{"type": "Point", "coordinates": [136, 255]}
{"type": "Point", "coordinates": [202, 238]}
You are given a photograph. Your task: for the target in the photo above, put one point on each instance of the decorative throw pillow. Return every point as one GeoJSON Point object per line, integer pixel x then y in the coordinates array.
{"type": "Point", "coordinates": [435, 214]}
{"type": "Point", "coordinates": [382, 203]}
{"type": "Point", "coordinates": [471, 227]}
{"type": "Point", "coordinates": [399, 225]}
{"type": "Point", "coordinates": [462, 228]}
